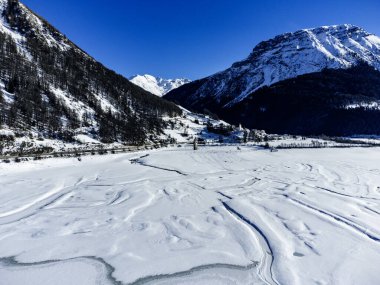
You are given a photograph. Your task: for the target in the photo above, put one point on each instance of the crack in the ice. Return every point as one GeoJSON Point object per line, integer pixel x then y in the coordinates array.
{"type": "Point", "coordinates": [138, 161]}
{"type": "Point", "coordinates": [11, 261]}
{"type": "Point", "coordinates": [148, 279]}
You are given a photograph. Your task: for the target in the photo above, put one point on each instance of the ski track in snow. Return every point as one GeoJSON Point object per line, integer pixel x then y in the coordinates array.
{"type": "Point", "coordinates": [178, 216]}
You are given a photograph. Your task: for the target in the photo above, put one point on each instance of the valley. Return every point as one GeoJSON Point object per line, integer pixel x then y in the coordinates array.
{"type": "Point", "coordinates": [179, 216]}
{"type": "Point", "coordinates": [265, 172]}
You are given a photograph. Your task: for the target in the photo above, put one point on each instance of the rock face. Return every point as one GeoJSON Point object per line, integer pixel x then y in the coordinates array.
{"type": "Point", "coordinates": [283, 57]}
{"type": "Point", "coordinates": [50, 86]}
{"type": "Point", "coordinates": [156, 85]}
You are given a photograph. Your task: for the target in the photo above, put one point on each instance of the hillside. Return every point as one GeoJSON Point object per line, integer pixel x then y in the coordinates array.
{"type": "Point", "coordinates": [334, 102]}
{"type": "Point", "coordinates": [50, 88]}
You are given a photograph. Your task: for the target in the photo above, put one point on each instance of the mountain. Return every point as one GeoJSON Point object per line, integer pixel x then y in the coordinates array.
{"type": "Point", "coordinates": [156, 85]}
{"type": "Point", "coordinates": [52, 88]}
{"type": "Point", "coordinates": [285, 57]}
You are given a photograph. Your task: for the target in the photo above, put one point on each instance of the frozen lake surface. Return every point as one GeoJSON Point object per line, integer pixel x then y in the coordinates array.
{"type": "Point", "coordinates": [177, 216]}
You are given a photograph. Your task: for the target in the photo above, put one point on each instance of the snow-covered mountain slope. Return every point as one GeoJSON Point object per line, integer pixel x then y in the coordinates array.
{"type": "Point", "coordinates": [50, 86]}
{"type": "Point", "coordinates": [284, 57]}
{"type": "Point", "coordinates": [39, 26]}
{"type": "Point", "coordinates": [156, 85]}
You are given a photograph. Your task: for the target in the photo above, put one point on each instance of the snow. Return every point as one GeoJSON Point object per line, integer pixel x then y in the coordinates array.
{"type": "Point", "coordinates": [78, 107]}
{"type": "Point", "coordinates": [37, 24]}
{"type": "Point", "coordinates": [156, 85]}
{"type": "Point", "coordinates": [374, 40]}
{"type": "Point", "coordinates": [194, 126]}
{"type": "Point", "coordinates": [30, 142]}
{"type": "Point", "coordinates": [218, 215]}
{"type": "Point", "coordinates": [5, 132]}
{"type": "Point", "coordinates": [83, 138]}
{"type": "Point", "coordinates": [39, 27]}
{"type": "Point", "coordinates": [105, 104]}
{"type": "Point", "coordinates": [18, 39]}
{"type": "Point", "coordinates": [368, 105]}
{"type": "Point", "coordinates": [82, 271]}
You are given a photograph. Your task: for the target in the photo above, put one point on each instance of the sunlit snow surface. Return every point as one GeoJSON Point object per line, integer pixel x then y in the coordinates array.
{"type": "Point", "coordinates": [156, 85]}
{"type": "Point", "coordinates": [215, 216]}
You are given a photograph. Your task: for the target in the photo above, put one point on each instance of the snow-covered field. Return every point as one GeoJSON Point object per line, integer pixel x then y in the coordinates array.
{"type": "Point", "coordinates": [177, 216]}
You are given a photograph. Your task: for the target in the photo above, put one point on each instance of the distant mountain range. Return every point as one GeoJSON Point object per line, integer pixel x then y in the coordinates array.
{"type": "Point", "coordinates": [333, 70]}
{"type": "Point", "coordinates": [51, 88]}
{"type": "Point", "coordinates": [156, 85]}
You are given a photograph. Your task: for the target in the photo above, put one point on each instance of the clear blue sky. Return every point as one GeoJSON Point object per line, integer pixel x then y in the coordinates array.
{"type": "Point", "coordinates": [190, 38]}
